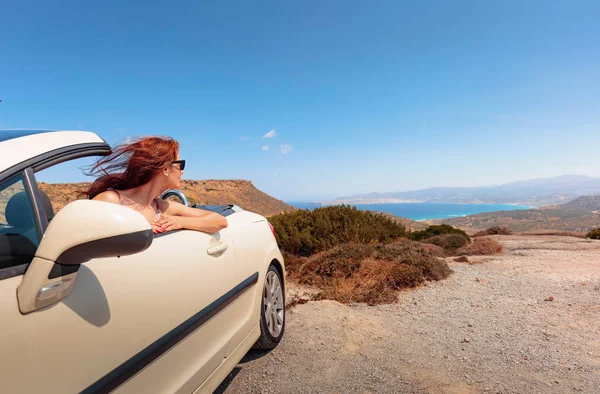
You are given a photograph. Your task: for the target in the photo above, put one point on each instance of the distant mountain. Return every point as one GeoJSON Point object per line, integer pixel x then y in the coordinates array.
{"type": "Point", "coordinates": [534, 192]}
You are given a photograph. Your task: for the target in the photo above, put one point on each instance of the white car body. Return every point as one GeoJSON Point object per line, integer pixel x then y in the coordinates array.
{"type": "Point", "coordinates": [175, 315]}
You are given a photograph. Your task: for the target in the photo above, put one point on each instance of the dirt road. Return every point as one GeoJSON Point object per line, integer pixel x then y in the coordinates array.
{"type": "Point", "coordinates": [527, 321]}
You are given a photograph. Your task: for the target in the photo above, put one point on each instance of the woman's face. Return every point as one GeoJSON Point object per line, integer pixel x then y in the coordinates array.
{"type": "Point", "coordinates": [175, 173]}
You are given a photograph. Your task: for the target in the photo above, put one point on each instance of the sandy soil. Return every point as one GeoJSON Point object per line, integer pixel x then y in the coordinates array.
{"type": "Point", "coordinates": [525, 321]}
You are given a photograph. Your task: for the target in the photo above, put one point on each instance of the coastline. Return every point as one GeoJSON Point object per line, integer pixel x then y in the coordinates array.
{"type": "Point", "coordinates": [425, 211]}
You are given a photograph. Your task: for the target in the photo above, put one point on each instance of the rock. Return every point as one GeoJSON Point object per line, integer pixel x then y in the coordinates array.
{"type": "Point", "coordinates": [466, 340]}
{"type": "Point", "coordinates": [549, 298]}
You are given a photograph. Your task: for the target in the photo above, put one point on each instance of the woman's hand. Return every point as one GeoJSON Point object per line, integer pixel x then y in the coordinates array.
{"type": "Point", "coordinates": [169, 223]}
{"type": "Point", "coordinates": [157, 229]}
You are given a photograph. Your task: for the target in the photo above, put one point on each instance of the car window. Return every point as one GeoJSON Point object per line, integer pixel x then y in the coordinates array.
{"type": "Point", "coordinates": [64, 182]}
{"type": "Point", "coordinates": [19, 236]}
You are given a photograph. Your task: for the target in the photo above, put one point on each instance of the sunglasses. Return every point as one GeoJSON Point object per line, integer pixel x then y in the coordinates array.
{"type": "Point", "coordinates": [181, 164]}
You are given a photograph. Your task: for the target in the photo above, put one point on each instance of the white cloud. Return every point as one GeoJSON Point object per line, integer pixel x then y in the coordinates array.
{"type": "Point", "coordinates": [266, 147]}
{"type": "Point", "coordinates": [274, 174]}
{"type": "Point", "coordinates": [244, 138]}
{"type": "Point", "coordinates": [270, 134]}
{"type": "Point", "coordinates": [285, 149]}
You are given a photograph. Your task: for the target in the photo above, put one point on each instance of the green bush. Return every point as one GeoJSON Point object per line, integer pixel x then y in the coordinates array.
{"type": "Point", "coordinates": [594, 234]}
{"type": "Point", "coordinates": [305, 232]}
{"type": "Point", "coordinates": [434, 230]}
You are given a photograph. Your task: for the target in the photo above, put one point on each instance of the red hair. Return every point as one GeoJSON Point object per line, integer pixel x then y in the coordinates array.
{"type": "Point", "coordinates": [132, 164]}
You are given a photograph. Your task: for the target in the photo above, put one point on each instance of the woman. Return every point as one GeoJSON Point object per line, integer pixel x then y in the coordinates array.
{"type": "Point", "coordinates": [134, 174]}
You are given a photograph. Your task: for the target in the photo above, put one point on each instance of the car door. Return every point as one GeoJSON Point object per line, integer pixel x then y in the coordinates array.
{"type": "Point", "coordinates": [250, 232]}
{"type": "Point", "coordinates": [155, 321]}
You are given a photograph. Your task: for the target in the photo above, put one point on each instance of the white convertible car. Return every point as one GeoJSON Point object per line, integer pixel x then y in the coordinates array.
{"type": "Point", "coordinates": [91, 301]}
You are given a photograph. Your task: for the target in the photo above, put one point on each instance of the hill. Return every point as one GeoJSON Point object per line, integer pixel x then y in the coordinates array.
{"type": "Point", "coordinates": [585, 203]}
{"type": "Point", "coordinates": [533, 192]}
{"type": "Point", "coordinates": [203, 192]}
{"type": "Point", "coordinates": [579, 215]}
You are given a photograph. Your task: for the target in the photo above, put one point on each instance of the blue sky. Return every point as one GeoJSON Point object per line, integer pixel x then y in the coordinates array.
{"type": "Point", "coordinates": [363, 96]}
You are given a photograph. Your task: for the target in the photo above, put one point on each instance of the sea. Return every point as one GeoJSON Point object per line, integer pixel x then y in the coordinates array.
{"type": "Point", "coordinates": [424, 211]}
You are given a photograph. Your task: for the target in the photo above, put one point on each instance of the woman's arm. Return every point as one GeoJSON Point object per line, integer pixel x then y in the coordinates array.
{"type": "Point", "coordinates": [176, 216]}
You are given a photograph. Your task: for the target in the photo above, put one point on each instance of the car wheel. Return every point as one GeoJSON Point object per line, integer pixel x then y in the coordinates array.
{"type": "Point", "coordinates": [272, 316]}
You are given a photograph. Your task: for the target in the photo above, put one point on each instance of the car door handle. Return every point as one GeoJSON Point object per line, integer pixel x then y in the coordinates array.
{"type": "Point", "coordinates": [217, 249]}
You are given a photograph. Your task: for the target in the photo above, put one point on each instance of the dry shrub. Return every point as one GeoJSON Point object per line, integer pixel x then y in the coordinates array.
{"type": "Point", "coordinates": [449, 242]}
{"type": "Point", "coordinates": [367, 273]}
{"type": "Point", "coordinates": [374, 283]}
{"type": "Point", "coordinates": [292, 262]}
{"type": "Point", "coordinates": [435, 250]}
{"type": "Point", "coordinates": [575, 234]}
{"type": "Point", "coordinates": [482, 246]}
{"type": "Point", "coordinates": [594, 234]}
{"type": "Point", "coordinates": [496, 230]}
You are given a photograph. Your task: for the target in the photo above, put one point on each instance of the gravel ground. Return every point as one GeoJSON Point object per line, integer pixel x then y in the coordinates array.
{"type": "Point", "coordinates": [527, 321]}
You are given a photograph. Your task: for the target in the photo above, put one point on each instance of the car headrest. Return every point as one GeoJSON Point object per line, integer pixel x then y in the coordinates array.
{"type": "Point", "coordinates": [18, 210]}
{"type": "Point", "coordinates": [47, 205]}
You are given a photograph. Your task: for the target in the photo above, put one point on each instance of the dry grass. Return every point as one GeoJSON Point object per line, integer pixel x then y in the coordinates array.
{"type": "Point", "coordinates": [374, 283]}
{"type": "Point", "coordinates": [556, 233]}
{"type": "Point", "coordinates": [367, 273]}
{"type": "Point", "coordinates": [481, 246]}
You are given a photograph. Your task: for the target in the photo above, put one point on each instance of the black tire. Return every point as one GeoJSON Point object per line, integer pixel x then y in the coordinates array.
{"type": "Point", "coordinates": [266, 339]}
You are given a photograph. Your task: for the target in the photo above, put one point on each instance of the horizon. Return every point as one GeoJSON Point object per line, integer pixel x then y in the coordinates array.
{"type": "Point", "coordinates": [49, 174]}
{"type": "Point", "coordinates": [315, 102]}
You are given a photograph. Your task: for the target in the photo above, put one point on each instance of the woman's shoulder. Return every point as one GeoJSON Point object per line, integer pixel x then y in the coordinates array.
{"type": "Point", "coordinates": [109, 195]}
{"type": "Point", "coordinates": [170, 207]}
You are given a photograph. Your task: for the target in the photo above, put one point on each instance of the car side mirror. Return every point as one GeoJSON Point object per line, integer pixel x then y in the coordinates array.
{"type": "Point", "coordinates": [83, 230]}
